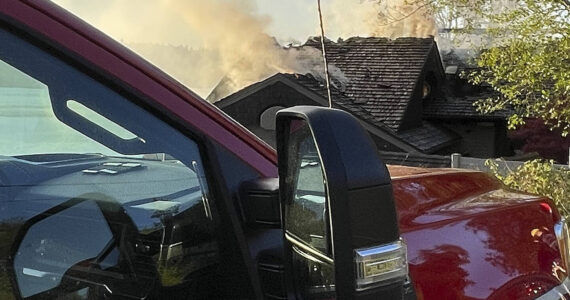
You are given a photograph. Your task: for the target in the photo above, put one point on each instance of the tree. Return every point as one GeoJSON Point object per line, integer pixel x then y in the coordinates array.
{"type": "Point", "coordinates": [525, 55]}
{"type": "Point", "coordinates": [529, 65]}
{"type": "Point", "coordinates": [534, 136]}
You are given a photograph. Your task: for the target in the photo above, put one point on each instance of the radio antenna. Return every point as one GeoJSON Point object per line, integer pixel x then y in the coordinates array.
{"type": "Point", "coordinates": [327, 78]}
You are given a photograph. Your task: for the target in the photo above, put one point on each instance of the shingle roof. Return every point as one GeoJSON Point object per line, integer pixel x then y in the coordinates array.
{"type": "Point", "coordinates": [459, 107]}
{"type": "Point", "coordinates": [415, 159]}
{"type": "Point", "coordinates": [457, 96]}
{"type": "Point", "coordinates": [382, 73]}
{"type": "Point", "coordinates": [426, 138]}
{"type": "Point", "coordinates": [429, 137]}
{"type": "Point", "coordinates": [339, 99]}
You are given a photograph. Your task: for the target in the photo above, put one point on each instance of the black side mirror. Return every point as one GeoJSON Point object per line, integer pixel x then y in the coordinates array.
{"type": "Point", "coordinates": [83, 246]}
{"type": "Point", "coordinates": [340, 226]}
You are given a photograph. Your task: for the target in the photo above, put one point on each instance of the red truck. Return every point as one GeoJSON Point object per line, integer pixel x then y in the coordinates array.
{"type": "Point", "coordinates": [117, 182]}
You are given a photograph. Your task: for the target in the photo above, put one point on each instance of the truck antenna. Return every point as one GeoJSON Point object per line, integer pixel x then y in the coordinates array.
{"type": "Point", "coordinates": [327, 78]}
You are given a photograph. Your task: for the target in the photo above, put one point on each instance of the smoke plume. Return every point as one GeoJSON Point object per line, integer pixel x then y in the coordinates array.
{"type": "Point", "coordinates": [381, 18]}
{"type": "Point", "coordinates": [246, 53]}
{"type": "Point", "coordinates": [234, 45]}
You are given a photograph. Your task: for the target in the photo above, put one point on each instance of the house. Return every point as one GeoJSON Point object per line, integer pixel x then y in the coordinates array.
{"type": "Point", "coordinates": [398, 89]}
{"type": "Point", "coordinates": [482, 135]}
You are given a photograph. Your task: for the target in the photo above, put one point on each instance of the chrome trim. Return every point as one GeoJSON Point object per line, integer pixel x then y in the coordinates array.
{"type": "Point", "coordinates": [563, 239]}
{"type": "Point", "coordinates": [310, 251]}
{"type": "Point", "coordinates": [558, 292]}
{"type": "Point", "coordinates": [380, 249]}
{"type": "Point", "coordinates": [379, 255]}
{"type": "Point", "coordinates": [306, 255]}
{"type": "Point", "coordinates": [202, 183]}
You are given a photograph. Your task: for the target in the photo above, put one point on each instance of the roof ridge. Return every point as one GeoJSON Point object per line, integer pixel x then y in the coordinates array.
{"type": "Point", "coordinates": [313, 41]}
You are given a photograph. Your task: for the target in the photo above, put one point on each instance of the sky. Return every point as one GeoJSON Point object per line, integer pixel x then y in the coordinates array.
{"type": "Point", "coordinates": [286, 20]}
{"type": "Point", "coordinates": [235, 38]}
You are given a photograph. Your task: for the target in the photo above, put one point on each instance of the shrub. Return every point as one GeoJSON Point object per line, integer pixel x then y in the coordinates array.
{"type": "Point", "coordinates": [539, 177]}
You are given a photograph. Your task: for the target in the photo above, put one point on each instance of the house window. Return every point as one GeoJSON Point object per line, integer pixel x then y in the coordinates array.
{"type": "Point", "coordinates": [426, 90]}
{"type": "Point", "coordinates": [429, 88]}
{"type": "Point", "coordinates": [267, 118]}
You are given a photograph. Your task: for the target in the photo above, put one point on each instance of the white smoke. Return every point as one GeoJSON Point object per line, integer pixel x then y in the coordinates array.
{"type": "Point", "coordinates": [388, 18]}
{"type": "Point", "coordinates": [233, 36]}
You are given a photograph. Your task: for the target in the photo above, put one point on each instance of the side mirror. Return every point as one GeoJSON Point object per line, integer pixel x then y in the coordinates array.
{"type": "Point", "coordinates": [82, 247]}
{"type": "Point", "coordinates": [340, 226]}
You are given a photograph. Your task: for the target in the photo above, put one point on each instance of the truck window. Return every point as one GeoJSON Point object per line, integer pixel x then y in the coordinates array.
{"type": "Point", "coordinates": [98, 196]}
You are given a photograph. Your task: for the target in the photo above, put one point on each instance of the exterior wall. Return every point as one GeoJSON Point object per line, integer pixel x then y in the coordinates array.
{"type": "Point", "coordinates": [480, 139]}
{"type": "Point", "coordinates": [248, 109]}
{"type": "Point", "coordinates": [503, 144]}
{"type": "Point", "coordinates": [266, 135]}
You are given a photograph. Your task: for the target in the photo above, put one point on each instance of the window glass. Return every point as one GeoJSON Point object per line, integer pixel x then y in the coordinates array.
{"type": "Point", "coordinates": [55, 244]}
{"type": "Point", "coordinates": [97, 195]}
{"type": "Point", "coordinates": [306, 217]}
{"type": "Point", "coordinates": [267, 118]}
{"type": "Point", "coordinates": [28, 123]}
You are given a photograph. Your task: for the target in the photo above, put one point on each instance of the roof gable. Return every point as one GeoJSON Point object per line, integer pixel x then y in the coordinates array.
{"type": "Point", "coordinates": [383, 76]}
{"type": "Point", "coordinates": [382, 73]}
{"type": "Point", "coordinates": [287, 79]}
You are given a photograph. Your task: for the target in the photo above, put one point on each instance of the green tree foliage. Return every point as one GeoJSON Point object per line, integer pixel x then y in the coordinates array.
{"type": "Point", "coordinates": [529, 64]}
{"type": "Point", "coordinates": [526, 58]}
{"type": "Point", "coordinates": [538, 177]}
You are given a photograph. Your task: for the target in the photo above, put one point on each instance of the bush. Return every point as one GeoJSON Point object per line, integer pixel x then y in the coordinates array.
{"type": "Point", "coordinates": [539, 177]}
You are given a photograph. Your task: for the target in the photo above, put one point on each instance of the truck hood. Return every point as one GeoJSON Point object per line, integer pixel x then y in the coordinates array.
{"type": "Point", "coordinates": [469, 237]}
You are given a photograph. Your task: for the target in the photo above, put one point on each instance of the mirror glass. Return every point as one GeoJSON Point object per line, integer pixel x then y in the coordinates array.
{"type": "Point", "coordinates": [53, 245]}
{"type": "Point", "coordinates": [306, 214]}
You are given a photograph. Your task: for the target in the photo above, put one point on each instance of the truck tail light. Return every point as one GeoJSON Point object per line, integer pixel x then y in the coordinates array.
{"type": "Point", "coordinates": [381, 265]}
{"type": "Point", "coordinates": [563, 237]}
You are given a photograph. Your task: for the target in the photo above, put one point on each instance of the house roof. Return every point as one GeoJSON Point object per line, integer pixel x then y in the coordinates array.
{"type": "Point", "coordinates": [382, 73]}
{"type": "Point", "coordinates": [457, 96]}
{"type": "Point", "coordinates": [457, 101]}
{"type": "Point", "coordinates": [429, 137]}
{"type": "Point", "coordinates": [459, 107]}
{"type": "Point", "coordinates": [426, 138]}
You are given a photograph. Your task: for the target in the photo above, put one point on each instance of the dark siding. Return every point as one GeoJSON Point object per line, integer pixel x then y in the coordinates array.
{"type": "Point", "coordinates": [503, 145]}
{"type": "Point", "coordinates": [248, 109]}
{"type": "Point", "coordinates": [478, 138]}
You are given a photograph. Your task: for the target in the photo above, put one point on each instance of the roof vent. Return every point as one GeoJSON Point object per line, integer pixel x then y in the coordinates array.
{"type": "Point", "coordinates": [451, 70]}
